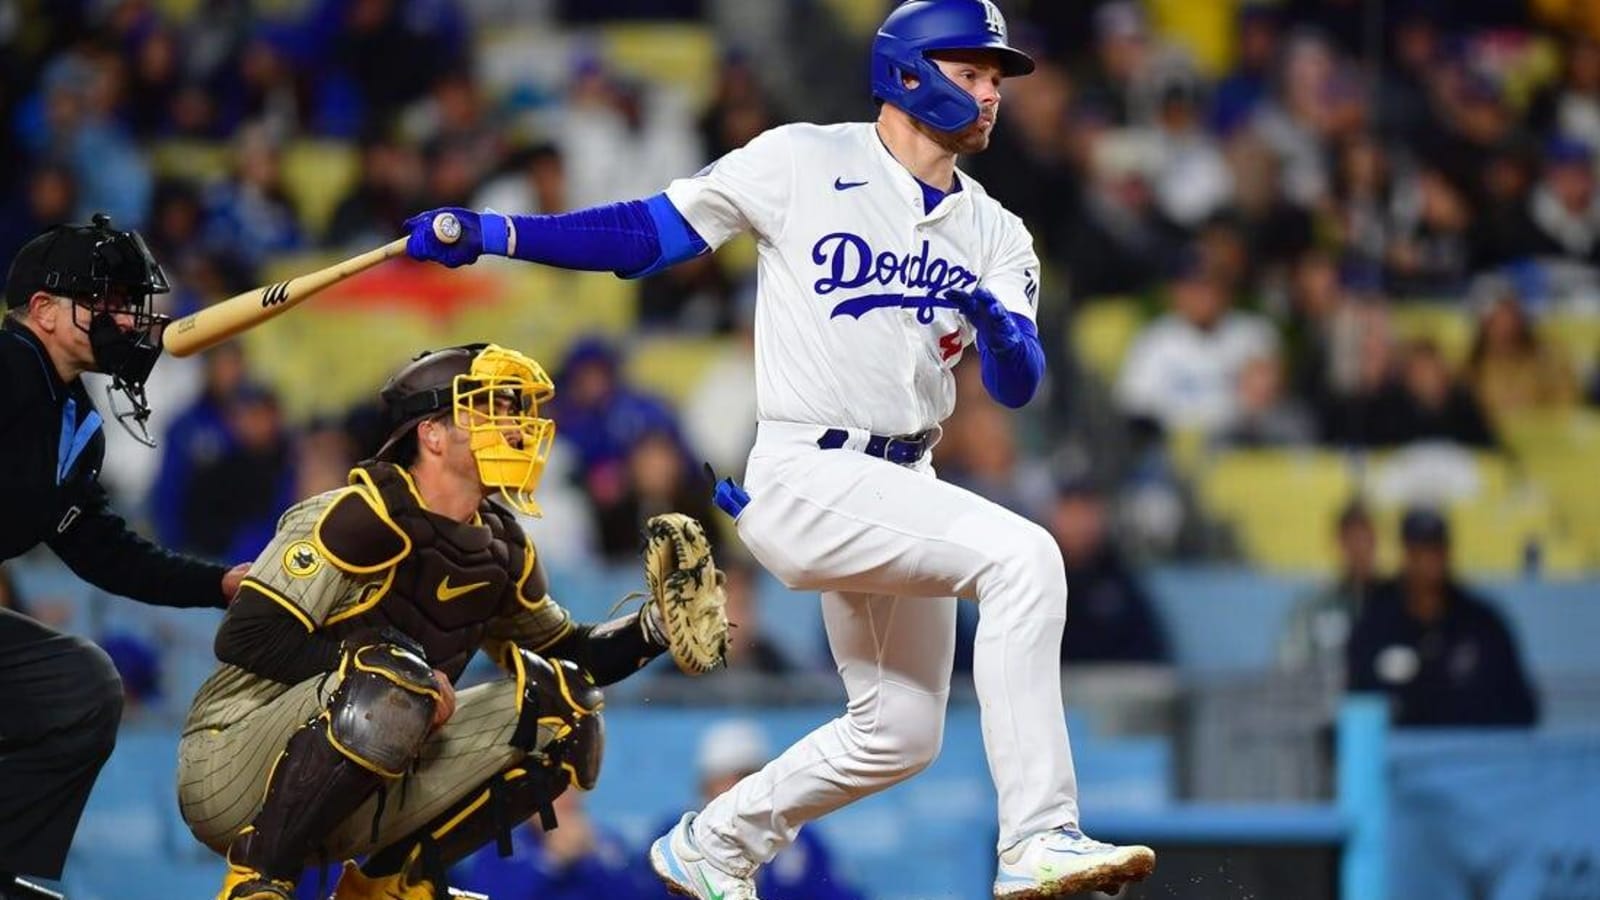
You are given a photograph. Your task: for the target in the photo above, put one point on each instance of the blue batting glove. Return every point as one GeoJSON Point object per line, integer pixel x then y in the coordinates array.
{"type": "Point", "coordinates": [424, 245]}
{"type": "Point", "coordinates": [986, 313]}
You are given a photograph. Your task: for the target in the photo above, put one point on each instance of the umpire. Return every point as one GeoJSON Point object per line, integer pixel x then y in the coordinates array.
{"type": "Point", "coordinates": [79, 299]}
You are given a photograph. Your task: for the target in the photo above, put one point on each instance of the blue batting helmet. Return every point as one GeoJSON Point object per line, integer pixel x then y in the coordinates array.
{"type": "Point", "coordinates": [919, 27]}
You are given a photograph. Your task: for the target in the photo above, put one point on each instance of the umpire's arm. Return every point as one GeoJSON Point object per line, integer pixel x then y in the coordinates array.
{"type": "Point", "coordinates": [102, 550]}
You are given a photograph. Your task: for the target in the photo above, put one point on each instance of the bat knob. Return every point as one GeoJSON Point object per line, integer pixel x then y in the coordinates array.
{"type": "Point", "coordinates": [447, 228]}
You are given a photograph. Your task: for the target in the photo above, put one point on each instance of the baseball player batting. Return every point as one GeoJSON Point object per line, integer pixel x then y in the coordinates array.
{"type": "Point", "coordinates": [880, 263]}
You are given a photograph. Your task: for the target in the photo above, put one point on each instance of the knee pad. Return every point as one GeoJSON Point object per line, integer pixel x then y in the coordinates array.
{"type": "Point", "coordinates": [559, 722]}
{"type": "Point", "coordinates": [383, 708]}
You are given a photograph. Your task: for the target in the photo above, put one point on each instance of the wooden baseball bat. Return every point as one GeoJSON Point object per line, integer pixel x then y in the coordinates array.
{"type": "Point", "coordinates": [226, 318]}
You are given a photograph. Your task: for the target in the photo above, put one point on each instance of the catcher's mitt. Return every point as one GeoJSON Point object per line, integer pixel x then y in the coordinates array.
{"type": "Point", "coordinates": [686, 591]}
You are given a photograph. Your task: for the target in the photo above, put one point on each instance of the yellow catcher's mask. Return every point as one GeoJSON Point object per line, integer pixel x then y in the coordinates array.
{"type": "Point", "coordinates": [497, 403]}
{"type": "Point", "coordinates": [491, 393]}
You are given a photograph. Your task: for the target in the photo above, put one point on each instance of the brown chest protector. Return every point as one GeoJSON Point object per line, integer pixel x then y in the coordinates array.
{"type": "Point", "coordinates": [454, 579]}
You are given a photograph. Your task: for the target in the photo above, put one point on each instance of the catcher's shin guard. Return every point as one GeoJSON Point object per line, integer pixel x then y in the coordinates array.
{"type": "Point", "coordinates": [371, 731]}
{"type": "Point", "coordinates": [562, 731]}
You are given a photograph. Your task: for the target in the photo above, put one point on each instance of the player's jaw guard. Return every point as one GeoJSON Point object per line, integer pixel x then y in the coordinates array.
{"type": "Point", "coordinates": [920, 27]}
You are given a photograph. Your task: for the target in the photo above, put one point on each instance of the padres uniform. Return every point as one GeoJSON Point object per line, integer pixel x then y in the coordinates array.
{"type": "Point", "coordinates": [240, 721]}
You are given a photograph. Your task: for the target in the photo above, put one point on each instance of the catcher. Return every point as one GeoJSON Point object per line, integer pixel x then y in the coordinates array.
{"type": "Point", "coordinates": [332, 728]}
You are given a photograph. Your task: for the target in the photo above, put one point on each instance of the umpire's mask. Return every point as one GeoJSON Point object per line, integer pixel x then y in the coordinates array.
{"type": "Point", "coordinates": [113, 275]}
{"type": "Point", "coordinates": [491, 393]}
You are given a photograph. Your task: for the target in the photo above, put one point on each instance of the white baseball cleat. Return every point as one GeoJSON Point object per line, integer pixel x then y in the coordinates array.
{"type": "Point", "coordinates": [1063, 861]}
{"type": "Point", "coordinates": [686, 871]}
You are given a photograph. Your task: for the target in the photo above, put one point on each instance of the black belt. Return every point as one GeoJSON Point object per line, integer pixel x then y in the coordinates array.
{"type": "Point", "coordinates": [901, 450]}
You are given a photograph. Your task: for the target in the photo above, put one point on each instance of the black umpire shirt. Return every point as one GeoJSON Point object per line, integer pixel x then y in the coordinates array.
{"type": "Point", "coordinates": [51, 448]}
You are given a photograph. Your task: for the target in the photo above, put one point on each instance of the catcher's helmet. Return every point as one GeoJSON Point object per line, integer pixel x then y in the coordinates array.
{"type": "Point", "coordinates": [490, 392]}
{"type": "Point", "coordinates": [918, 27]}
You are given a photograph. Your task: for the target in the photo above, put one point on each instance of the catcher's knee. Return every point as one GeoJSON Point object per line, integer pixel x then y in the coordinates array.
{"type": "Point", "coordinates": [559, 721]}
{"type": "Point", "coordinates": [383, 708]}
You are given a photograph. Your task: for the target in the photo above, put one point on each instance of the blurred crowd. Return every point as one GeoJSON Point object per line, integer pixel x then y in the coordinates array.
{"type": "Point", "coordinates": [1269, 205]}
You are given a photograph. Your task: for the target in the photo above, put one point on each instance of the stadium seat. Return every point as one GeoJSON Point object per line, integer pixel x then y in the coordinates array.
{"type": "Point", "coordinates": [674, 54]}
{"type": "Point", "coordinates": [1577, 336]}
{"type": "Point", "coordinates": [672, 366]}
{"type": "Point", "coordinates": [1101, 332]}
{"type": "Point", "coordinates": [317, 175]}
{"type": "Point", "coordinates": [1281, 503]}
{"type": "Point", "coordinates": [190, 160]}
{"type": "Point", "coordinates": [1449, 327]}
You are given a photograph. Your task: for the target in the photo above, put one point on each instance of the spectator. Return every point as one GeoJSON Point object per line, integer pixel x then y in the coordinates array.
{"type": "Point", "coordinates": [1242, 91]}
{"type": "Point", "coordinates": [1192, 180]}
{"type": "Point", "coordinates": [1183, 370]}
{"type": "Point", "coordinates": [749, 649]}
{"type": "Point", "coordinates": [1561, 218]}
{"type": "Point", "coordinates": [658, 480]}
{"type": "Point", "coordinates": [1111, 619]}
{"type": "Point", "coordinates": [534, 179]}
{"type": "Point", "coordinates": [719, 415]}
{"type": "Point", "coordinates": [197, 438]}
{"type": "Point", "coordinates": [1511, 369]}
{"type": "Point", "coordinates": [979, 451]}
{"type": "Point", "coordinates": [49, 195]}
{"type": "Point", "coordinates": [1571, 106]}
{"type": "Point", "coordinates": [1119, 243]}
{"type": "Point", "coordinates": [1298, 121]}
{"type": "Point", "coordinates": [235, 500]}
{"type": "Point", "coordinates": [804, 870]}
{"type": "Point", "coordinates": [1444, 656]}
{"type": "Point", "coordinates": [250, 214]}
{"type": "Point", "coordinates": [390, 185]}
{"type": "Point", "coordinates": [739, 109]}
{"type": "Point", "coordinates": [578, 860]}
{"type": "Point", "coordinates": [1429, 404]}
{"type": "Point", "coordinates": [1320, 622]}
{"type": "Point", "coordinates": [601, 417]}
{"type": "Point", "coordinates": [696, 297]}
{"type": "Point", "coordinates": [1268, 417]}
{"type": "Point", "coordinates": [1429, 245]}
{"type": "Point", "coordinates": [81, 91]}
{"type": "Point", "coordinates": [138, 661]}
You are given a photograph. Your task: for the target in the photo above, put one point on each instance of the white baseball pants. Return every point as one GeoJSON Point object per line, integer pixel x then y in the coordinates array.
{"type": "Point", "coordinates": [891, 548]}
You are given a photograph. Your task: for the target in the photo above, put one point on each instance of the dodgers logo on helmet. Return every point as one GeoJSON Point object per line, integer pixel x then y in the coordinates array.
{"type": "Point", "coordinates": [993, 20]}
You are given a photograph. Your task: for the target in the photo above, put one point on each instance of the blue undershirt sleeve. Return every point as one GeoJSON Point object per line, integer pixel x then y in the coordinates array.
{"type": "Point", "coordinates": [633, 239]}
{"type": "Point", "coordinates": [1012, 372]}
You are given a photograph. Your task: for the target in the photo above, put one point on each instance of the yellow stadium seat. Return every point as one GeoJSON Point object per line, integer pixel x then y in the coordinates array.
{"type": "Point", "coordinates": [681, 55]}
{"type": "Point", "coordinates": [1282, 504]}
{"type": "Point", "coordinates": [1101, 332]}
{"type": "Point", "coordinates": [673, 366]}
{"type": "Point", "coordinates": [190, 160]}
{"type": "Point", "coordinates": [856, 18]}
{"type": "Point", "coordinates": [1447, 326]}
{"type": "Point", "coordinates": [1577, 336]}
{"type": "Point", "coordinates": [317, 175]}
{"type": "Point", "coordinates": [1204, 29]}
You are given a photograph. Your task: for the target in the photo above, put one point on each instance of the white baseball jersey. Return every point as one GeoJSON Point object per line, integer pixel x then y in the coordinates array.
{"type": "Point", "coordinates": [850, 270]}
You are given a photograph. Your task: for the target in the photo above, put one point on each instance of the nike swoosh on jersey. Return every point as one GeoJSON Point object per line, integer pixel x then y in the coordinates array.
{"type": "Point", "coordinates": [444, 593]}
{"type": "Point", "coordinates": [839, 184]}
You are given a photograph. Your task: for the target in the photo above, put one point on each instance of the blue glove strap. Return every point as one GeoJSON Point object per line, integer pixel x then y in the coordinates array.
{"type": "Point", "coordinates": [730, 498]}
{"type": "Point", "coordinates": [496, 232]}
